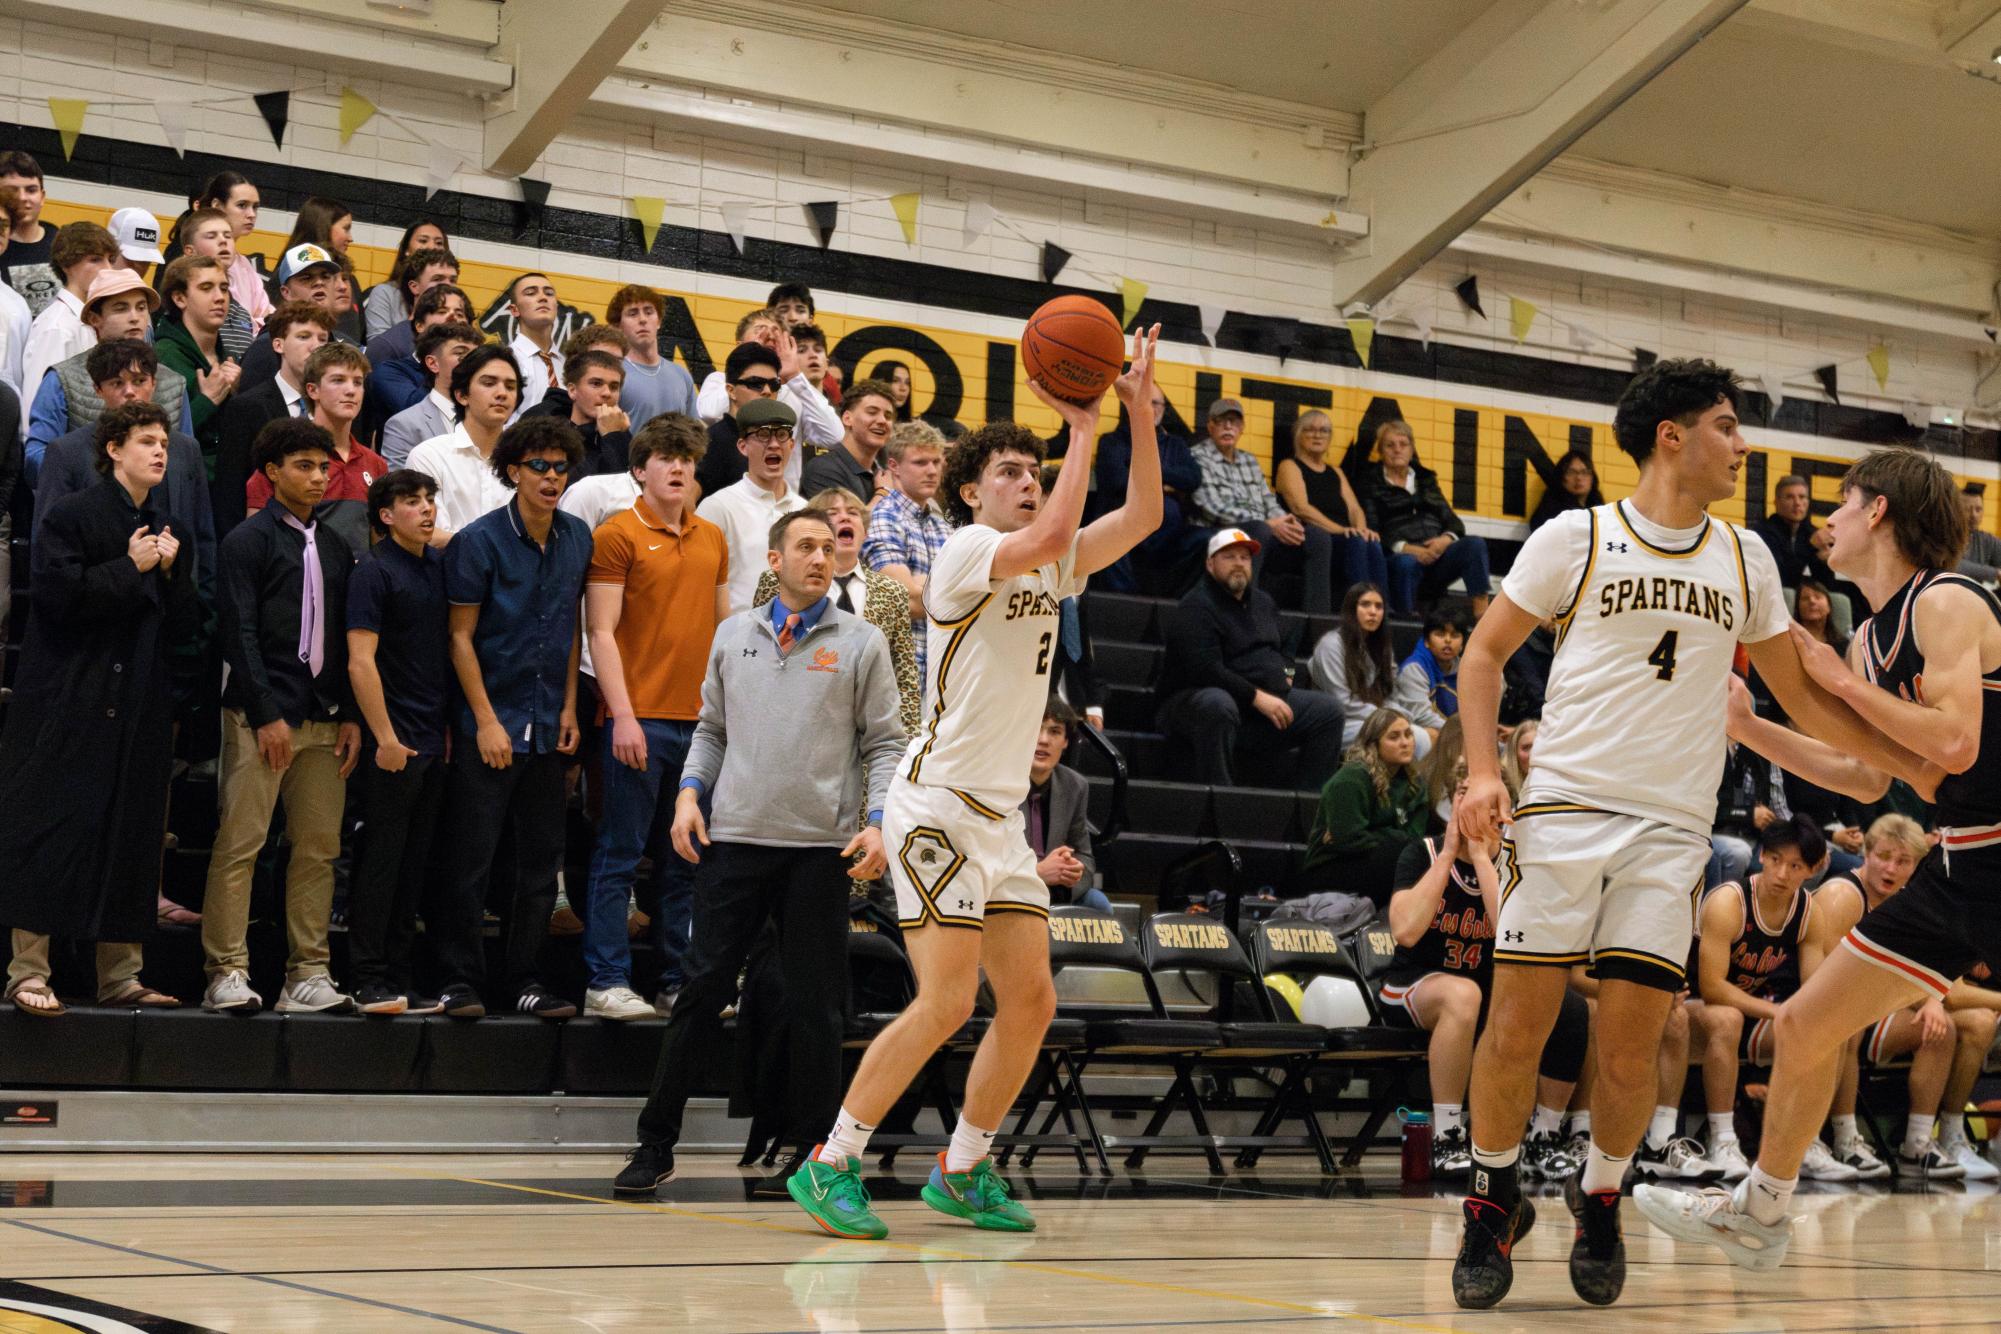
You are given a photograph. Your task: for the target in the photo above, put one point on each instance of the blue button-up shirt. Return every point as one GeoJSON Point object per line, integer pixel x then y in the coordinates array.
{"type": "Point", "coordinates": [527, 597]}
{"type": "Point", "coordinates": [807, 618]}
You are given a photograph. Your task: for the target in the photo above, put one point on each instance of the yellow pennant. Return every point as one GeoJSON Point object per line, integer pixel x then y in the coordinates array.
{"type": "Point", "coordinates": [1362, 333]}
{"type": "Point", "coordinates": [906, 214]}
{"type": "Point", "coordinates": [1879, 362]}
{"type": "Point", "coordinates": [67, 112]}
{"type": "Point", "coordinates": [1132, 292]}
{"type": "Point", "coordinates": [1521, 314]}
{"type": "Point", "coordinates": [355, 112]}
{"type": "Point", "coordinates": [649, 211]}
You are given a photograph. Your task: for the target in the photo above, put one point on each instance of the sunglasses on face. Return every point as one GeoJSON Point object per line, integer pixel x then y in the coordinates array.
{"type": "Point", "coordinates": [764, 383]}
{"type": "Point", "coordinates": [776, 435]}
{"type": "Point", "coordinates": [541, 467]}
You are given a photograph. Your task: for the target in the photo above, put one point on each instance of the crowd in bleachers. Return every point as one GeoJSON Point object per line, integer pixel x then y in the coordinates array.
{"type": "Point", "coordinates": [434, 609]}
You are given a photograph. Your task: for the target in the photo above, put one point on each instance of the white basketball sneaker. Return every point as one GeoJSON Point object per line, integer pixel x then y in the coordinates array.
{"type": "Point", "coordinates": [1711, 1217]}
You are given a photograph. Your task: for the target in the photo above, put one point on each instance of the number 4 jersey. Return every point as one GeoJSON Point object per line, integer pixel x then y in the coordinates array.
{"type": "Point", "coordinates": [992, 648]}
{"type": "Point", "coordinates": [1648, 621]}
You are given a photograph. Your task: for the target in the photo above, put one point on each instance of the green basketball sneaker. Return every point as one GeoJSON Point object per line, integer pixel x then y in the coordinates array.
{"type": "Point", "coordinates": [835, 1198]}
{"type": "Point", "coordinates": [979, 1195]}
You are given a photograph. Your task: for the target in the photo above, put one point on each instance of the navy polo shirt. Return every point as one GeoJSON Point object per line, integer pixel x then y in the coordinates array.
{"type": "Point", "coordinates": [401, 598]}
{"type": "Point", "coordinates": [527, 595]}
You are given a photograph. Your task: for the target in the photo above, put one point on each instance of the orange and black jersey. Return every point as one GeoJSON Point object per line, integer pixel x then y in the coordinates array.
{"type": "Point", "coordinates": [1461, 935]}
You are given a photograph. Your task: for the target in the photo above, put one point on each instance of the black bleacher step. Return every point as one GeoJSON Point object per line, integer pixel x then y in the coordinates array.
{"type": "Point", "coordinates": [1129, 707]}
{"type": "Point", "coordinates": [1121, 662]}
{"type": "Point", "coordinates": [1145, 754]}
{"type": "Point", "coordinates": [1135, 863]}
{"type": "Point", "coordinates": [1126, 616]}
{"type": "Point", "coordinates": [1264, 814]}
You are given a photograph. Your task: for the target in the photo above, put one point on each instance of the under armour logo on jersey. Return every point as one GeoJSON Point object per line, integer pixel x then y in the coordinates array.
{"type": "Point", "coordinates": [1620, 547]}
{"type": "Point", "coordinates": [1512, 937]}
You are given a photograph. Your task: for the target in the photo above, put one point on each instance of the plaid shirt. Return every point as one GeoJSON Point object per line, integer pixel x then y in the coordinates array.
{"type": "Point", "coordinates": [1233, 490]}
{"type": "Point", "coordinates": [903, 532]}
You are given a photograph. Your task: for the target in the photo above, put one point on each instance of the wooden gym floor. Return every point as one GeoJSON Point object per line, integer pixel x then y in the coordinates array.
{"type": "Point", "coordinates": [262, 1245]}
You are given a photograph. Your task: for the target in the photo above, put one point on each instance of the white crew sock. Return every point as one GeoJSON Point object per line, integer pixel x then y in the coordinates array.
{"type": "Point", "coordinates": [1846, 1130]}
{"type": "Point", "coordinates": [1547, 1121]}
{"type": "Point", "coordinates": [1580, 1123]}
{"type": "Point", "coordinates": [1602, 1171]}
{"type": "Point", "coordinates": [1722, 1128]}
{"type": "Point", "coordinates": [1448, 1116]}
{"type": "Point", "coordinates": [1497, 1157]}
{"type": "Point", "coordinates": [848, 1139]}
{"type": "Point", "coordinates": [969, 1145]}
{"type": "Point", "coordinates": [1952, 1128]}
{"type": "Point", "coordinates": [1764, 1196]}
{"type": "Point", "coordinates": [1918, 1134]}
{"type": "Point", "coordinates": [1667, 1120]}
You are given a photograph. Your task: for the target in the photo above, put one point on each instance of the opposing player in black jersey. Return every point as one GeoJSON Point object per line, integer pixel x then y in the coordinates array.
{"type": "Point", "coordinates": [1927, 672]}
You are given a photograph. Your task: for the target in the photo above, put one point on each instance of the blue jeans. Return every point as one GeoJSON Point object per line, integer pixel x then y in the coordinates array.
{"type": "Point", "coordinates": [1363, 560]}
{"type": "Point", "coordinates": [638, 813]}
{"type": "Point", "coordinates": [1464, 559]}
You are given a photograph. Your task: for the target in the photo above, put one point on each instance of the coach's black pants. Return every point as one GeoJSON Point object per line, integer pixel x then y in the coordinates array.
{"type": "Point", "coordinates": [738, 887]}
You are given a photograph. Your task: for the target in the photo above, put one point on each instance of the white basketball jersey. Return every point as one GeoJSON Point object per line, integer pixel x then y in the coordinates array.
{"type": "Point", "coordinates": [1647, 630]}
{"type": "Point", "coordinates": [993, 645]}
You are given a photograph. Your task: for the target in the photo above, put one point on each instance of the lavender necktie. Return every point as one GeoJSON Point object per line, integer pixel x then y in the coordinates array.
{"type": "Point", "coordinates": [312, 618]}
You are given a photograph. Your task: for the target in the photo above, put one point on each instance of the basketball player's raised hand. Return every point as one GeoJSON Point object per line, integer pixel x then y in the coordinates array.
{"type": "Point", "coordinates": [1136, 385]}
{"type": "Point", "coordinates": [1484, 810]}
{"type": "Point", "coordinates": [1077, 416]}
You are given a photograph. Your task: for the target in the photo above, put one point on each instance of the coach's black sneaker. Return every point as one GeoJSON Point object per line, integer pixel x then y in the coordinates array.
{"type": "Point", "coordinates": [772, 1187]}
{"type": "Point", "coordinates": [461, 1002]}
{"type": "Point", "coordinates": [1598, 1251]}
{"type": "Point", "coordinates": [646, 1168]}
{"type": "Point", "coordinates": [1485, 1269]}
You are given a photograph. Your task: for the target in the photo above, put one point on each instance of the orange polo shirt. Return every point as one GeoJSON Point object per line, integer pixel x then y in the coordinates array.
{"type": "Point", "coordinates": [669, 617]}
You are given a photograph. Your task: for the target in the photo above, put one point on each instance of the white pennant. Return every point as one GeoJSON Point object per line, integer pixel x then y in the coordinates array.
{"type": "Point", "coordinates": [1582, 338]}
{"type": "Point", "coordinates": [176, 119]}
{"type": "Point", "coordinates": [736, 216]}
{"type": "Point", "coordinates": [1774, 388]}
{"type": "Point", "coordinates": [441, 163]}
{"type": "Point", "coordinates": [1212, 320]}
{"type": "Point", "coordinates": [1423, 323]}
{"type": "Point", "coordinates": [980, 217]}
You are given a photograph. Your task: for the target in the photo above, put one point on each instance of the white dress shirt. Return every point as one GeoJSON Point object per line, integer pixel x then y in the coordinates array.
{"type": "Point", "coordinates": [16, 322]}
{"type": "Point", "coordinates": [535, 377]}
{"type": "Point", "coordinates": [745, 512]}
{"type": "Point", "coordinates": [467, 487]}
{"type": "Point", "coordinates": [57, 334]}
{"type": "Point", "coordinates": [818, 425]}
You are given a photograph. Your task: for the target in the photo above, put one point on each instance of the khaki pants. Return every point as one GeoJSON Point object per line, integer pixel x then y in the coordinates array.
{"type": "Point", "coordinates": [117, 963]}
{"type": "Point", "coordinates": [314, 794]}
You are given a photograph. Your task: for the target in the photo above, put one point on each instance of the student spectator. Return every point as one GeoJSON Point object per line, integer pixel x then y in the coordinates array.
{"type": "Point", "coordinates": [80, 252]}
{"type": "Point", "coordinates": [811, 341]}
{"type": "Point", "coordinates": [1427, 543]}
{"type": "Point", "coordinates": [1440, 771]}
{"type": "Point", "coordinates": [334, 384]}
{"type": "Point", "coordinates": [787, 801]}
{"type": "Point", "coordinates": [593, 381]}
{"type": "Point", "coordinates": [897, 376]}
{"type": "Point", "coordinates": [819, 426]}
{"type": "Point", "coordinates": [137, 232]}
{"type": "Point", "coordinates": [656, 590]}
{"type": "Point", "coordinates": [1226, 673]}
{"type": "Point", "coordinates": [27, 267]}
{"type": "Point", "coordinates": [793, 304]}
{"type": "Point", "coordinates": [745, 509]}
{"type": "Point", "coordinates": [654, 384]}
{"type": "Point", "coordinates": [387, 304]}
{"type": "Point", "coordinates": [1056, 814]}
{"type": "Point", "coordinates": [907, 526]}
{"type": "Point", "coordinates": [514, 576]}
{"type": "Point", "coordinates": [195, 300]}
{"type": "Point", "coordinates": [1371, 810]}
{"type": "Point", "coordinates": [1790, 533]}
{"type": "Point", "coordinates": [1752, 796]}
{"type": "Point", "coordinates": [532, 305]}
{"type": "Point", "coordinates": [1234, 494]}
{"type": "Point", "coordinates": [1319, 496]}
{"type": "Point", "coordinates": [287, 729]}
{"type": "Point", "coordinates": [604, 338]}
{"type": "Point", "coordinates": [1164, 559]}
{"type": "Point", "coordinates": [238, 200]}
{"type": "Point", "coordinates": [87, 755]}
{"type": "Point", "coordinates": [1572, 484]}
{"type": "Point", "coordinates": [305, 273]}
{"type": "Point", "coordinates": [401, 383]}
{"type": "Point", "coordinates": [398, 665]}
{"type": "Point", "coordinates": [298, 329]}
{"type": "Point", "coordinates": [752, 370]}
{"type": "Point", "coordinates": [207, 233]}
{"type": "Point", "coordinates": [422, 272]}
{"type": "Point", "coordinates": [1517, 756]}
{"type": "Point", "coordinates": [439, 351]}
{"type": "Point", "coordinates": [865, 412]}
{"type": "Point", "coordinates": [16, 319]}
{"type": "Point", "coordinates": [486, 386]}
{"type": "Point", "coordinates": [1354, 664]}
{"type": "Point", "coordinates": [120, 306]}
{"type": "Point", "coordinates": [1982, 560]}
{"type": "Point", "coordinates": [1427, 688]}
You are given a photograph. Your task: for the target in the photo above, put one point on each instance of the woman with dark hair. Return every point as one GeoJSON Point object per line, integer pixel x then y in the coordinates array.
{"type": "Point", "coordinates": [239, 201]}
{"type": "Point", "coordinates": [1373, 808]}
{"type": "Point", "coordinates": [897, 376]}
{"type": "Point", "coordinates": [1319, 494]}
{"type": "Point", "coordinates": [387, 304]}
{"type": "Point", "coordinates": [1813, 608]}
{"type": "Point", "coordinates": [1355, 664]}
{"type": "Point", "coordinates": [1571, 485]}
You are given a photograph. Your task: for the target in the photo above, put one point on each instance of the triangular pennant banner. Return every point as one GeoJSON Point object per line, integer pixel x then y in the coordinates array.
{"type": "Point", "coordinates": [1362, 333]}
{"type": "Point", "coordinates": [1582, 338]}
{"type": "Point", "coordinates": [1830, 381]}
{"type": "Point", "coordinates": [276, 109]}
{"type": "Point", "coordinates": [1212, 320]}
{"type": "Point", "coordinates": [1993, 334]}
{"type": "Point", "coordinates": [1775, 391]}
{"type": "Point", "coordinates": [736, 218]}
{"type": "Point", "coordinates": [1879, 362]}
{"type": "Point", "coordinates": [1132, 292]}
{"type": "Point", "coordinates": [176, 119]}
{"type": "Point", "coordinates": [441, 163]}
{"type": "Point", "coordinates": [355, 112]}
{"type": "Point", "coordinates": [534, 198]}
{"type": "Point", "coordinates": [1054, 257]}
{"type": "Point", "coordinates": [1469, 292]}
{"type": "Point", "coordinates": [823, 216]}
{"type": "Point", "coordinates": [980, 217]}
{"type": "Point", "coordinates": [533, 191]}
{"type": "Point", "coordinates": [1423, 323]}
{"type": "Point", "coordinates": [1643, 358]}
{"type": "Point", "coordinates": [1918, 416]}
{"type": "Point", "coordinates": [1521, 314]}
{"type": "Point", "coordinates": [68, 113]}
{"type": "Point", "coordinates": [906, 214]}
{"type": "Point", "coordinates": [649, 210]}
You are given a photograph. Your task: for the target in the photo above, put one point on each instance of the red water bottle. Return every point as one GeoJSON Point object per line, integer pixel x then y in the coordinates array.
{"type": "Point", "coordinates": [1416, 1145]}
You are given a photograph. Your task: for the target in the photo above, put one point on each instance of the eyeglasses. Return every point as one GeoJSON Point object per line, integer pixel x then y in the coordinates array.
{"type": "Point", "coordinates": [762, 382]}
{"type": "Point", "coordinates": [776, 435]}
{"type": "Point", "coordinates": [540, 467]}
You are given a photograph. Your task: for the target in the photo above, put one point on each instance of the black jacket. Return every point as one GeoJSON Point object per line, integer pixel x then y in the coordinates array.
{"type": "Point", "coordinates": [1401, 516]}
{"type": "Point", "coordinates": [1214, 639]}
{"type": "Point", "coordinates": [246, 413]}
{"type": "Point", "coordinates": [1793, 549]}
{"type": "Point", "coordinates": [258, 603]}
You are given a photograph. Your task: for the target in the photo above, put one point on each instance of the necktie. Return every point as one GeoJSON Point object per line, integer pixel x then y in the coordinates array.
{"type": "Point", "coordinates": [789, 633]}
{"type": "Point", "coordinates": [303, 408]}
{"type": "Point", "coordinates": [548, 366]}
{"type": "Point", "coordinates": [312, 620]}
{"type": "Point", "coordinates": [843, 601]}
{"type": "Point", "coordinates": [1036, 837]}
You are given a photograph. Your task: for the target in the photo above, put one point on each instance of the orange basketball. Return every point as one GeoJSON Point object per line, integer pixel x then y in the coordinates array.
{"type": "Point", "coordinates": [1074, 346]}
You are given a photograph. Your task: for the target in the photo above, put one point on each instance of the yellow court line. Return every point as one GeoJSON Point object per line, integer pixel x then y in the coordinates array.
{"type": "Point", "coordinates": [936, 1252]}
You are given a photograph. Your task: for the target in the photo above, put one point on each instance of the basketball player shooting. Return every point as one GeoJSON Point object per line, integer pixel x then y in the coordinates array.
{"type": "Point", "coordinates": [966, 889]}
{"type": "Point", "coordinates": [1603, 861]}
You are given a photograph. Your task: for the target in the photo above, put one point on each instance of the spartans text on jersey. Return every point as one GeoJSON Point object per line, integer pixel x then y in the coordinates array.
{"type": "Point", "coordinates": [1667, 593]}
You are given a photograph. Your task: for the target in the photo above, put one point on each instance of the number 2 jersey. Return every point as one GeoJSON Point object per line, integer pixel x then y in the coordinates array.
{"type": "Point", "coordinates": [990, 655]}
{"type": "Point", "coordinates": [1647, 626]}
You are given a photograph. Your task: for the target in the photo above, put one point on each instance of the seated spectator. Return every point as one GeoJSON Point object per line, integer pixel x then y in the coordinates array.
{"type": "Point", "coordinates": [896, 375]}
{"type": "Point", "coordinates": [1056, 810]}
{"type": "Point", "coordinates": [1427, 542]}
{"type": "Point", "coordinates": [1319, 495]}
{"type": "Point", "coordinates": [388, 303]}
{"type": "Point", "coordinates": [513, 576]}
{"type": "Point", "coordinates": [1982, 559]}
{"type": "Point", "coordinates": [486, 386]}
{"type": "Point", "coordinates": [440, 348]}
{"type": "Point", "coordinates": [87, 756]}
{"type": "Point", "coordinates": [1371, 810]}
{"type": "Point", "coordinates": [121, 306]}
{"type": "Point", "coordinates": [1791, 534]}
{"type": "Point", "coordinates": [1813, 608]}
{"type": "Point", "coordinates": [81, 251]}
{"type": "Point", "coordinates": [867, 419]}
{"type": "Point", "coordinates": [1571, 485]}
{"type": "Point", "coordinates": [17, 319]}
{"type": "Point", "coordinates": [1427, 688]}
{"type": "Point", "coordinates": [305, 273]}
{"type": "Point", "coordinates": [907, 526]}
{"type": "Point", "coordinates": [1168, 555]}
{"type": "Point", "coordinates": [1444, 902]}
{"type": "Point", "coordinates": [1441, 771]}
{"type": "Point", "coordinates": [1517, 755]}
{"type": "Point", "coordinates": [761, 435]}
{"type": "Point", "coordinates": [298, 329]}
{"type": "Point", "coordinates": [335, 376]}
{"type": "Point", "coordinates": [654, 384]}
{"type": "Point", "coordinates": [592, 381]}
{"type": "Point", "coordinates": [605, 338]}
{"type": "Point", "coordinates": [1234, 494]}
{"type": "Point", "coordinates": [534, 307]}
{"type": "Point", "coordinates": [752, 371]}
{"type": "Point", "coordinates": [418, 272]}
{"type": "Point", "coordinates": [1227, 675]}
{"type": "Point", "coordinates": [288, 730]}
{"type": "Point", "coordinates": [1354, 664]}
{"type": "Point", "coordinates": [207, 233]}
{"type": "Point", "coordinates": [237, 199]}
{"type": "Point", "coordinates": [194, 302]}
{"type": "Point", "coordinates": [1752, 796]}
{"type": "Point", "coordinates": [401, 382]}
{"type": "Point", "coordinates": [1525, 676]}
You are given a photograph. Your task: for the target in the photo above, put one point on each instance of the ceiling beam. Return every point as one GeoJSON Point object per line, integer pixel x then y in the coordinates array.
{"type": "Point", "coordinates": [1469, 126]}
{"type": "Point", "coordinates": [559, 61]}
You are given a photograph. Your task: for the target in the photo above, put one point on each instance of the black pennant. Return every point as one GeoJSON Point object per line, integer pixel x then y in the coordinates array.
{"type": "Point", "coordinates": [534, 198]}
{"type": "Point", "coordinates": [277, 109]}
{"type": "Point", "coordinates": [1054, 257]}
{"type": "Point", "coordinates": [824, 215]}
{"type": "Point", "coordinates": [1643, 358]}
{"type": "Point", "coordinates": [1830, 380]}
{"type": "Point", "coordinates": [1469, 292]}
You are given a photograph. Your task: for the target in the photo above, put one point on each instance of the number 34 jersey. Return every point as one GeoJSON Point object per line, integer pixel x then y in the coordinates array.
{"type": "Point", "coordinates": [1647, 622]}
